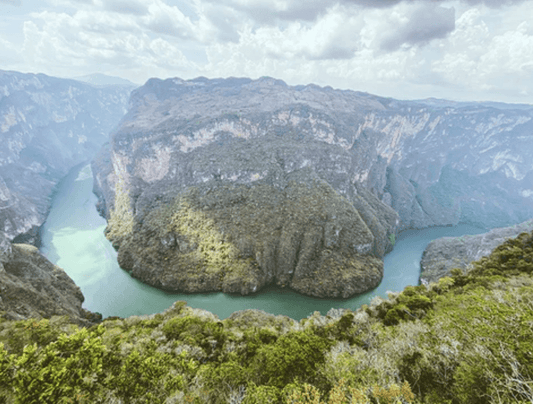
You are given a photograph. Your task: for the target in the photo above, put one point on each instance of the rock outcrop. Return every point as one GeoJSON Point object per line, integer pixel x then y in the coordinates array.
{"type": "Point", "coordinates": [48, 125]}
{"type": "Point", "coordinates": [444, 254]}
{"type": "Point", "coordinates": [233, 184]}
{"type": "Point", "coordinates": [33, 287]}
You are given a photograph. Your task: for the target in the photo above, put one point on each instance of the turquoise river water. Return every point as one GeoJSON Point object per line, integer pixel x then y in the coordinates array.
{"type": "Point", "coordinates": [73, 238]}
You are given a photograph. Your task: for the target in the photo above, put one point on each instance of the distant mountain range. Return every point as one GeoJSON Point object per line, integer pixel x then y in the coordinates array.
{"type": "Point", "coordinates": [98, 79]}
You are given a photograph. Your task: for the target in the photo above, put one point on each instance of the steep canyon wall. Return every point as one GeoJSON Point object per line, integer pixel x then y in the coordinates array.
{"type": "Point", "coordinates": [232, 184]}
{"type": "Point", "coordinates": [47, 126]}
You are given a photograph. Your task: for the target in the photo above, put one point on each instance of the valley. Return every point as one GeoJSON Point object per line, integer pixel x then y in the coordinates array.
{"type": "Point", "coordinates": [73, 238]}
{"type": "Point", "coordinates": [277, 220]}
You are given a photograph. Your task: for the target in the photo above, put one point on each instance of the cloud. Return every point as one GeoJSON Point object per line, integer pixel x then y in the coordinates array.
{"type": "Point", "coordinates": [223, 23]}
{"type": "Point", "coordinates": [60, 43]}
{"type": "Point", "coordinates": [419, 27]}
{"type": "Point", "coordinates": [15, 3]}
{"type": "Point", "coordinates": [9, 54]}
{"type": "Point", "coordinates": [391, 3]}
{"type": "Point", "coordinates": [168, 20]}
{"type": "Point", "coordinates": [270, 12]}
{"type": "Point", "coordinates": [374, 3]}
{"type": "Point", "coordinates": [389, 47]}
{"type": "Point", "coordinates": [494, 3]}
{"type": "Point", "coordinates": [333, 36]}
{"type": "Point", "coordinates": [308, 10]}
{"type": "Point", "coordinates": [68, 3]}
{"type": "Point", "coordinates": [481, 62]}
{"type": "Point", "coordinates": [126, 7]}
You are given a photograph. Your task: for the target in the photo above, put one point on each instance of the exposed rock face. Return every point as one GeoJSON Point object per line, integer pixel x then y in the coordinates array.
{"type": "Point", "coordinates": [229, 161]}
{"type": "Point", "coordinates": [32, 287]}
{"type": "Point", "coordinates": [447, 253]}
{"type": "Point", "coordinates": [47, 126]}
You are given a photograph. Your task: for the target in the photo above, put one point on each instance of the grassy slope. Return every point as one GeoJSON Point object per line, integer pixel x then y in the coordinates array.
{"type": "Point", "coordinates": [465, 339]}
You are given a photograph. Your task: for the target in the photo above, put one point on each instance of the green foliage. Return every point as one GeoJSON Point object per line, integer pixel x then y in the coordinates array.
{"type": "Point", "coordinates": [513, 257]}
{"type": "Point", "coordinates": [143, 376]}
{"type": "Point", "coordinates": [68, 367]}
{"type": "Point", "coordinates": [465, 339]}
{"type": "Point", "coordinates": [294, 356]}
{"type": "Point", "coordinates": [413, 303]}
{"type": "Point", "coordinates": [195, 331]}
{"type": "Point", "coordinates": [392, 239]}
{"type": "Point", "coordinates": [120, 223]}
{"type": "Point", "coordinates": [18, 334]}
{"type": "Point", "coordinates": [342, 393]}
{"type": "Point", "coordinates": [6, 371]}
{"type": "Point", "coordinates": [261, 394]}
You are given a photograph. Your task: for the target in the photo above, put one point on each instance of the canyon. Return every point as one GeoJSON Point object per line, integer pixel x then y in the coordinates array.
{"type": "Point", "coordinates": [47, 126]}
{"type": "Point", "coordinates": [234, 184]}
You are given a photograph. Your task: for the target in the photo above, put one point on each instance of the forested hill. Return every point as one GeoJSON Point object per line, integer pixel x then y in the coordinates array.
{"type": "Point", "coordinates": [465, 339]}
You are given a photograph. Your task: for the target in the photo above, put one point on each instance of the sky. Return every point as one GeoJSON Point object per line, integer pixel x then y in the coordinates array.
{"type": "Point", "coordinates": [469, 50]}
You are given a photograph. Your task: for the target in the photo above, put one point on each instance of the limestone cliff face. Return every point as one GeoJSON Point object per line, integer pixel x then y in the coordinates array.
{"type": "Point", "coordinates": [234, 184]}
{"type": "Point", "coordinates": [447, 253]}
{"type": "Point", "coordinates": [469, 163]}
{"type": "Point", "coordinates": [47, 126]}
{"type": "Point", "coordinates": [32, 287]}
{"type": "Point", "coordinates": [233, 158]}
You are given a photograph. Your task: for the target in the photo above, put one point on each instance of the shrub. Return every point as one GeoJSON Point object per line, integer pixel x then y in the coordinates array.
{"type": "Point", "coordinates": [69, 367]}
{"type": "Point", "coordinates": [294, 356]}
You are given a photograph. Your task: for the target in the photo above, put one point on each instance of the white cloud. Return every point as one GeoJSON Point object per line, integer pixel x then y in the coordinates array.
{"type": "Point", "coordinates": [269, 12]}
{"type": "Point", "coordinates": [334, 51]}
{"type": "Point", "coordinates": [126, 6]}
{"type": "Point", "coordinates": [406, 49]}
{"type": "Point", "coordinates": [15, 3]}
{"type": "Point", "coordinates": [9, 55]}
{"type": "Point", "coordinates": [168, 20]}
{"type": "Point", "coordinates": [418, 25]}
{"type": "Point", "coordinates": [480, 61]}
{"type": "Point", "coordinates": [63, 44]}
{"type": "Point", "coordinates": [334, 36]}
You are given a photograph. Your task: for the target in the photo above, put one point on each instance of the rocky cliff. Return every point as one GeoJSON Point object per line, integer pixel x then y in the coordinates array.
{"type": "Point", "coordinates": [32, 287]}
{"type": "Point", "coordinates": [47, 126]}
{"type": "Point", "coordinates": [233, 184]}
{"type": "Point", "coordinates": [447, 253]}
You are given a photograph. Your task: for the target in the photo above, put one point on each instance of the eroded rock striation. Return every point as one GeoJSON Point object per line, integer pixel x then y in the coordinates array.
{"type": "Point", "coordinates": [47, 125]}
{"type": "Point", "coordinates": [232, 184]}
{"type": "Point", "coordinates": [33, 287]}
{"type": "Point", "coordinates": [444, 254]}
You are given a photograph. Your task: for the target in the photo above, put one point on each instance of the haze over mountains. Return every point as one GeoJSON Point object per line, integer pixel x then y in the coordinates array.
{"type": "Point", "coordinates": [47, 125]}
{"type": "Point", "coordinates": [103, 80]}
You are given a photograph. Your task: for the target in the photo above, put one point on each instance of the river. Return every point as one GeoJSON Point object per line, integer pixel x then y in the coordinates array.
{"type": "Point", "coordinates": [73, 238]}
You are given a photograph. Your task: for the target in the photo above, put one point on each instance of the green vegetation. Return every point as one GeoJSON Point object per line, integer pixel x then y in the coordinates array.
{"type": "Point", "coordinates": [214, 254]}
{"type": "Point", "coordinates": [220, 240]}
{"type": "Point", "coordinates": [465, 339]}
{"type": "Point", "coordinates": [392, 239]}
{"type": "Point", "coordinates": [120, 223]}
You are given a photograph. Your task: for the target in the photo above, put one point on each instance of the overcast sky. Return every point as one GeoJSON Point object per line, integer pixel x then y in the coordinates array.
{"type": "Point", "coordinates": [461, 50]}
